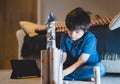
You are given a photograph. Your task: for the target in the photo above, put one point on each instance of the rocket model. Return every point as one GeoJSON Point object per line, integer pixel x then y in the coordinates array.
{"type": "Point", "coordinates": [51, 58]}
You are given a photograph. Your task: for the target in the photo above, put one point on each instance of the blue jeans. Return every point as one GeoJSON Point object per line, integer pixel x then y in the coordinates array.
{"type": "Point", "coordinates": [85, 72]}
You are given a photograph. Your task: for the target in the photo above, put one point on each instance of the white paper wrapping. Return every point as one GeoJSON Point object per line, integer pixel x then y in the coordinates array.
{"type": "Point", "coordinates": [60, 81]}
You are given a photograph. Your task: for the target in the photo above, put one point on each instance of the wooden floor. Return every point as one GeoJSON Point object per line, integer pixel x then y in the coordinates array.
{"type": "Point", "coordinates": [5, 79]}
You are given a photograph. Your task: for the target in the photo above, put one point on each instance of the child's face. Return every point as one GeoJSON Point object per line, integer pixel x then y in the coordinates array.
{"type": "Point", "coordinates": [76, 34]}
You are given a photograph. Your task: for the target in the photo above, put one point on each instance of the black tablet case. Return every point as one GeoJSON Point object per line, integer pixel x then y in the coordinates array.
{"type": "Point", "coordinates": [24, 68]}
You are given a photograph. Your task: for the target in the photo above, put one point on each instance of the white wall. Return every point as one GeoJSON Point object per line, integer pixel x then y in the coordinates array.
{"type": "Point", "coordinates": [61, 7]}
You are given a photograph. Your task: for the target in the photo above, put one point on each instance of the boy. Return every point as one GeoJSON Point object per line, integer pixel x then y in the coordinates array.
{"type": "Point", "coordinates": [79, 48]}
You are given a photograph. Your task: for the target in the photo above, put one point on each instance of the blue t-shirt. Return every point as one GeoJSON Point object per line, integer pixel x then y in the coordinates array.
{"type": "Point", "coordinates": [86, 44]}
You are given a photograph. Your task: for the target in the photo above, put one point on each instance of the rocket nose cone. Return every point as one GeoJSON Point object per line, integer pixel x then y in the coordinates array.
{"type": "Point", "coordinates": [51, 18]}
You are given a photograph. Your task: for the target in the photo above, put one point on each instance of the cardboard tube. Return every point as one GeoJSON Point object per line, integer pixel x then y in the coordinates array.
{"type": "Point", "coordinates": [44, 67]}
{"type": "Point", "coordinates": [97, 75]}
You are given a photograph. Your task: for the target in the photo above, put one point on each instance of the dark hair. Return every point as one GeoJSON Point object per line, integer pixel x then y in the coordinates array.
{"type": "Point", "coordinates": [77, 19]}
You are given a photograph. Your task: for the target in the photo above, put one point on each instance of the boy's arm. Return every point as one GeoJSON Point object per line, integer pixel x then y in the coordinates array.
{"type": "Point", "coordinates": [82, 59]}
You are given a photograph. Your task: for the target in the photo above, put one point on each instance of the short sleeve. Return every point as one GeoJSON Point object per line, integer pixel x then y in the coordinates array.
{"type": "Point", "coordinates": [89, 46]}
{"type": "Point", "coordinates": [62, 43]}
